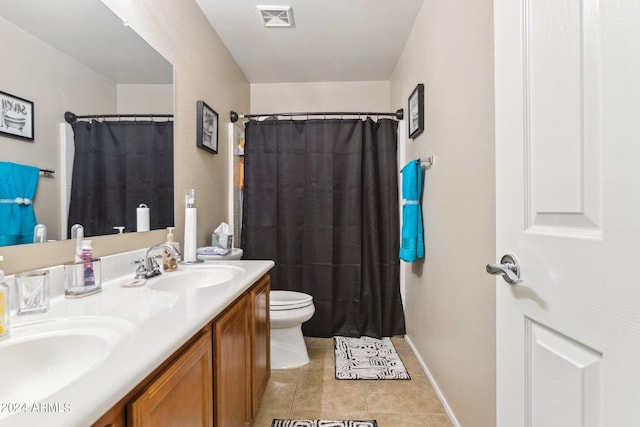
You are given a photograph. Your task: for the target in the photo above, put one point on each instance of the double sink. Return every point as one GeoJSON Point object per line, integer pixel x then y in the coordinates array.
{"type": "Point", "coordinates": [44, 356]}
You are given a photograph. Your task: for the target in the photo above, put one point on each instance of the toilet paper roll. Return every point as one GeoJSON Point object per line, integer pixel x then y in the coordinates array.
{"type": "Point", "coordinates": [143, 218]}
{"type": "Point", "coordinates": [190, 228]}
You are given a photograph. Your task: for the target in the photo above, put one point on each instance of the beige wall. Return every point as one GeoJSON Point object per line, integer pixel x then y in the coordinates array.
{"type": "Point", "coordinates": [450, 300]}
{"type": "Point", "coordinates": [205, 70]}
{"type": "Point", "coordinates": [322, 96]}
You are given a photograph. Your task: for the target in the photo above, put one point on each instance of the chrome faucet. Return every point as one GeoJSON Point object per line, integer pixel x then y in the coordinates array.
{"type": "Point", "coordinates": [148, 267]}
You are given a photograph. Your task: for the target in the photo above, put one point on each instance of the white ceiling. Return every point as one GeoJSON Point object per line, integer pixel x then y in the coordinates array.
{"type": "Point", "coordinates": [332, 40]}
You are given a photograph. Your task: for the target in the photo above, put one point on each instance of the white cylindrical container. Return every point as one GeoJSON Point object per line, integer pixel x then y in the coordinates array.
{"type": "Point", "coordinates": [143, 217]}
{"type": "Point", "coordinates": [190, 234]}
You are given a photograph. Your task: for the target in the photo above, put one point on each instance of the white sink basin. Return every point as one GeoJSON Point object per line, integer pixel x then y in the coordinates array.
{"type": "Point", "coordinates": [195, 278]}
{"type": "Point", "coordinates": [41, 358]}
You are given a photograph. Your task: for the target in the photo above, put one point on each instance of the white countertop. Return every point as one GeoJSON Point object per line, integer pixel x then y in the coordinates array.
{"type": "Point", "coordinates": [158, 323]}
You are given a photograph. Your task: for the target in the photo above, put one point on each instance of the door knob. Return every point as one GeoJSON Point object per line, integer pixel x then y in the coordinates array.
{"type": "Point", "coordinates": [508, 267]}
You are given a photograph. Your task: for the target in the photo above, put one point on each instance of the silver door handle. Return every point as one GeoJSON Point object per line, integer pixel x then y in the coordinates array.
{"type": "Point", "coordinates": [508, 267]}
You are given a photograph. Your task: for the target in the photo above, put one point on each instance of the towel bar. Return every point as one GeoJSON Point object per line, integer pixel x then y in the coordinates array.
{"type": "Point", "coordinates": [427, 163]}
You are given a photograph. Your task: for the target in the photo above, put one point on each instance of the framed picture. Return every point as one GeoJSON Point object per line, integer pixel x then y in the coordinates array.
{"type": "Point", "coordinates": [207, 134]}
{"type": "Point", "coordinates": [416, 111]}
{"type": "Point", "coordinates": [16, 116]}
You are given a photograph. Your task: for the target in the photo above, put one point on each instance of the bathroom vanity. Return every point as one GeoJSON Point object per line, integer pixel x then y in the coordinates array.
{"type": "Point", "coordinates": [190, 346]}
{"type": "Point", "coordinates": [219, 374]}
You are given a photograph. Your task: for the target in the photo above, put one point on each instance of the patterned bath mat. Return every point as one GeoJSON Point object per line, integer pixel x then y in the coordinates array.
{"type": "Point", "coordinates": [367, 358]}
{"type": "Point", "coordinates": [323, 423]}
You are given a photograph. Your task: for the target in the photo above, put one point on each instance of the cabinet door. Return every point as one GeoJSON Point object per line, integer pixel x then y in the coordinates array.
{"type": "Point", "coordinates": [182, 394]}
{"type": "Point", "coordinates": [260, 342]}
{"type": "Point", "coordinates": [232, 366]}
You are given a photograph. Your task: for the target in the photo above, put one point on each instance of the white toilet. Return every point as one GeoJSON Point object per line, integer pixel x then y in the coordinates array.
{"type": "Point", "coordinates": [289, 310]}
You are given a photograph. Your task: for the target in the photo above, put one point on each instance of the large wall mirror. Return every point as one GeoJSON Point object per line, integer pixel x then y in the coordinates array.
{"type": "Point", "coordinates": [77, 56]}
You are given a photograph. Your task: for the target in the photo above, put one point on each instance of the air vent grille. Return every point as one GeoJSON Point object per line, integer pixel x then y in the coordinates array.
{"type": "Point", "coordinates": [276, 16]}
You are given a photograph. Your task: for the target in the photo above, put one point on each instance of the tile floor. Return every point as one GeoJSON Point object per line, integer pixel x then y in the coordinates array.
{"type": "Point", "coordinates": [312, 392]}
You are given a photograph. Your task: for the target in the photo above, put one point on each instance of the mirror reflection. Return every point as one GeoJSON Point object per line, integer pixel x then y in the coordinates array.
{"type": "Point", "coordinates": [78, 56]}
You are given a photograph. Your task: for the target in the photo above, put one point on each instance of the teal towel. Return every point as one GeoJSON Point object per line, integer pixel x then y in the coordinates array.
{"type": "Point", "coordinates": [412, 246]}
{"type": "Point", "coordinates": [18, 185]}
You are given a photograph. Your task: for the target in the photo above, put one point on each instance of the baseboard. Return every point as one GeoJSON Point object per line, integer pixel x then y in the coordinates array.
{"type": "Point", "coordinates": [424, 367]}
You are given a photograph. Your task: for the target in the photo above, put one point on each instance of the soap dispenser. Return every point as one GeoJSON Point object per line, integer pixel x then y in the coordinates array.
{"type": "Point", "coordinates": [169, 262]}
{"type": "Point", "coordinates": [4, 306]}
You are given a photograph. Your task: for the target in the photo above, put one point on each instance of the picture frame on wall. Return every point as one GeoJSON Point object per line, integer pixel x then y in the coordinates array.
{"type": "Point", "coordinates": [416, 111]}
{"type": "Point", "coordinates": [16, 116]}
{"type": "Point", "coordinates": [207, 130]}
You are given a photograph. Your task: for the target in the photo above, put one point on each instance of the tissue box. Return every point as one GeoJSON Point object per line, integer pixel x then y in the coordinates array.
{"type": "Point", "coordinates": [224, 241]}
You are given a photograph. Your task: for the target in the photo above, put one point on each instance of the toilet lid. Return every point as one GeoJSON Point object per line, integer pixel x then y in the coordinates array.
{"type": "Point", "coordinates": [288, 300]}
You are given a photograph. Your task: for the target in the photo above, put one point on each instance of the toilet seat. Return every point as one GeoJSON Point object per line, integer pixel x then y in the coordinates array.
{"type": "Point", "coordinates": [288, 300]}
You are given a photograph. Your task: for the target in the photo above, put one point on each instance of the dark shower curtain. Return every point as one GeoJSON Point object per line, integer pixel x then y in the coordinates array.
{"type": "Point", "coordinates": [117, 166]}
{"type": "Point", "coordinates": [321, 200]}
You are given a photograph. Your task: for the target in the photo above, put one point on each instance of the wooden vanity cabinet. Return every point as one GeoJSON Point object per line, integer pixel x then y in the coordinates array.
{"type": "Point", "coordinates": [261, 341]}
{"type": "Point", "coordinates": [232, 362]}
{"type": "Point", "coordinates": [242, 357]}
{"type": "Point", "coordinates": [217, 378]}
{"type": "Point", "coordinates": [181, 394]}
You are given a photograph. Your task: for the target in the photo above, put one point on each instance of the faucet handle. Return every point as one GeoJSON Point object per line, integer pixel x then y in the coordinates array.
{"type": "Point", "coordinates": [141, 271]}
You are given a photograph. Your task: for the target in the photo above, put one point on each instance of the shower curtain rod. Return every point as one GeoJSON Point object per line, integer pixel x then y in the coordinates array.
{"type": "Point", "coordinates": [72, 118]}
{"type": "Point", "coordinates": [235, 116]}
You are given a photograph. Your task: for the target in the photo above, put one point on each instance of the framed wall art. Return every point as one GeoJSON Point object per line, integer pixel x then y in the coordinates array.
{"type": "Point", "coordinates": [207, 131]}
{"type": "Point", "coordinates": [416, 111]}
{"type": "Point", "coordinates": [16, 116]}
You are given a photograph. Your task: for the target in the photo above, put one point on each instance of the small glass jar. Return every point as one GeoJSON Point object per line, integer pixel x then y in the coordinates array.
{"type": "Point", "coordinates": [33, 291]}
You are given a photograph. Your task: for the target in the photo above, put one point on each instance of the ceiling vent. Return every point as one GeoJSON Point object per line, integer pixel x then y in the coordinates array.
{"type": "Point", "coordinates": [276, 16]}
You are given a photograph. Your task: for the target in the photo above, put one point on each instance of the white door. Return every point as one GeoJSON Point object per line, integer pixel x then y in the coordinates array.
{"type": "Point", "coordinates": [567, 79]}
